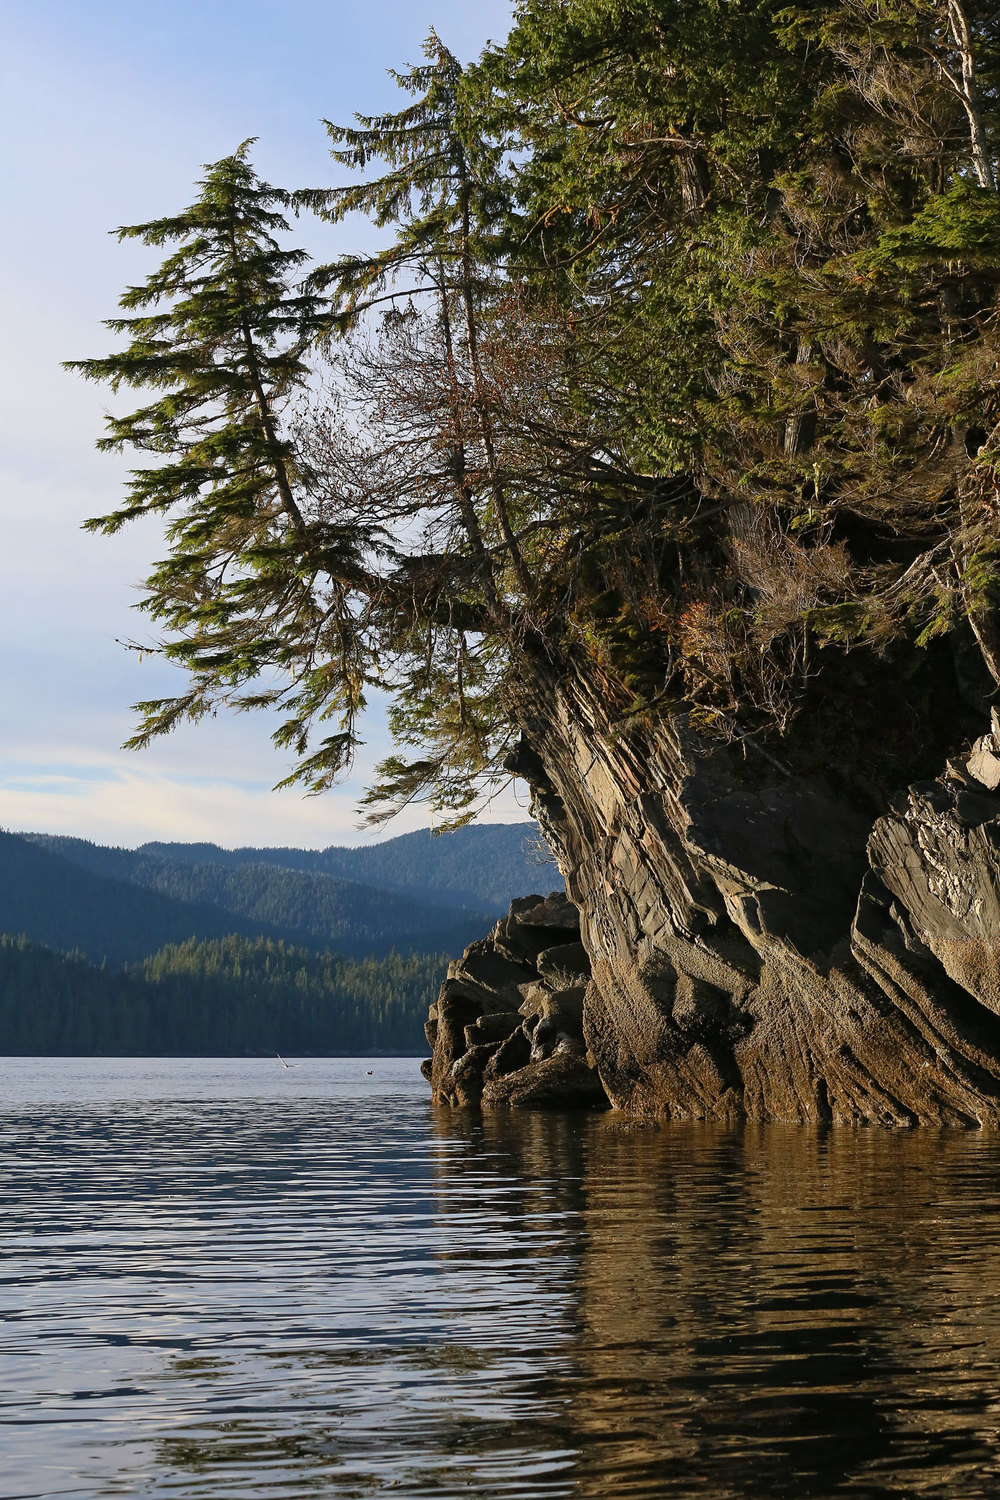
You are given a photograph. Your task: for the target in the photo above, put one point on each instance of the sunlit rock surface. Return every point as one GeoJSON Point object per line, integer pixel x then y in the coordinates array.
{"type": "Point", "coordinates": [759, 947]}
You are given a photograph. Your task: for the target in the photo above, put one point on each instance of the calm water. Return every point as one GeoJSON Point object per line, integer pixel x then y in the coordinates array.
{"type": "Point", "coordinates": [221, 1279]}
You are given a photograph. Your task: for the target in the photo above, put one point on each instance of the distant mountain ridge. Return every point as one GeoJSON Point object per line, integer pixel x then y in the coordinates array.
{"type": "Point", "coordinates": [55, 903]}
{"type": "Point", "coordinates": [479, 868]}
{"type": "Point", "coordinates": [119, 905]}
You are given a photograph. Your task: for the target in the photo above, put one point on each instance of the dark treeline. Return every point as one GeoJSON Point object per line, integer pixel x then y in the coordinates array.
{"type": "Point", "coordinates": [213, 998]}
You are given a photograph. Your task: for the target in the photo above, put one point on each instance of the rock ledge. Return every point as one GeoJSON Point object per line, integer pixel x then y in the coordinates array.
{"type": "Point", "coordinates": [507, 1028]}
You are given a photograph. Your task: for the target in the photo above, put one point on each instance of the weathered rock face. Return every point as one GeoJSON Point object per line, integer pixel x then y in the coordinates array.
{"type": "Point", "coordinates": [759, 947]}
{"type": "Point", "coordinates": [507, 1029]}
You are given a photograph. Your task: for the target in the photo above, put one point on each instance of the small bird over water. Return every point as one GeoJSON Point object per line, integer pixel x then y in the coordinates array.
{"type": "Point", "coordinates": [283, 1063]}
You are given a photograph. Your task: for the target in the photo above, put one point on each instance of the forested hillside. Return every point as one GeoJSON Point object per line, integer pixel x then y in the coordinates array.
{"type": "Point", "coordinates": [314, 909]}
{"type": "Point", "coordinates": [216, 998]}
{"type": "Point", "coordinates": [57, 904]}
{"type": "Point", "coordinates": [477, 869]}
{"type": "Point", "coordinates": [194, 949]}
{"type": "Point", "coordinates": [119, 905]}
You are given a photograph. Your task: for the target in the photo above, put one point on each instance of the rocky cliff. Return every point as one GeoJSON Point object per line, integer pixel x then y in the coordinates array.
{"type": "Point", "coordinates": [507, 1028]}
{"type": "Point", "coordinates": [758, 946]}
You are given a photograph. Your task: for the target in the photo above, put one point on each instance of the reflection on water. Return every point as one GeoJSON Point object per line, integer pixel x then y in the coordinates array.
{"type": "Point", "coordinates": [221, 1280]}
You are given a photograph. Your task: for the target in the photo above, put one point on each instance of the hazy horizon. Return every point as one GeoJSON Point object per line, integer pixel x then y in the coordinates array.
{"type": "Point", "coordinates": [378, 836]}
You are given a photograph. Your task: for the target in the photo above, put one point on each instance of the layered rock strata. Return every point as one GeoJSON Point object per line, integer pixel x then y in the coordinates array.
{"type": "Point", "coordinates": [759, 947]}
{"type": "Point", "coordinates": [507, 1028]}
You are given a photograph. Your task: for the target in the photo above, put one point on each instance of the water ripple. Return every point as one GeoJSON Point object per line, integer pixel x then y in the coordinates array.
{"type": "Point", "coordinates": [216, 1280]}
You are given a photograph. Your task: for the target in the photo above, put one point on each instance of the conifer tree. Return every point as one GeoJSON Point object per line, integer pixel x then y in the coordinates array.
{"type": "Point", "coordinates": [680, 363]}
{"type": "Point", "coordinates": [428, 295]}
{"type": "Point", "coordinates": [441, 194]}
{"type": "Point", "coordinates": [219, 335]}
{"type": "Point", "coordinates": [775, 228]}
{"type": "Point", "coordinates": [309, 574]}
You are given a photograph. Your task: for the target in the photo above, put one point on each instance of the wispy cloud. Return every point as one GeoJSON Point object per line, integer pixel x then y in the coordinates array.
{"type": "Point", "coordinates": [115, 804]}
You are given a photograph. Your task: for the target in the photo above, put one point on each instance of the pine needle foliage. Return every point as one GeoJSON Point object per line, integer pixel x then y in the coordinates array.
{"type": "Point", "coordinates": [679, 362]}
{"type": "Point", "coordinates": [219, 334]}
{"type": "Point", "coordinates": [440, 194]}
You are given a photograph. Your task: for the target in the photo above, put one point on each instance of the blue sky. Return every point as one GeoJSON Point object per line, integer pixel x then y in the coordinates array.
{"type": "Point", "coordinates": [108, 110]}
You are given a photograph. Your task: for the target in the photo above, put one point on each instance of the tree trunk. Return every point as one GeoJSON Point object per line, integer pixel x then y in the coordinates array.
{"type": "Point", "coordinates": [760, 947]}
{"type": "Point", "coordinates": [968, 92]}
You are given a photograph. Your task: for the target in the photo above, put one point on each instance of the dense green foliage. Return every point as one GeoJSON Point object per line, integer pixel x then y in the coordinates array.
{"type": "Point", "coordinates": [221, 331]}
{"type": "Point", "coordinates": [681, 361]}
{"type": "Point", "coordinates": [216, 998]}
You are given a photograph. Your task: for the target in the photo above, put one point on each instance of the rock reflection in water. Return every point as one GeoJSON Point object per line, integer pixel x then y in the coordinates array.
{"type": "Point", "coordinates": [772, 1311]}
{"type": "Point", "coordinates": [217, 1283]}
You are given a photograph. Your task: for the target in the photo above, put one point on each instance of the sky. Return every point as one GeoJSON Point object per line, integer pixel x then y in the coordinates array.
{"type": "Point", "coordinates": [109, 109]}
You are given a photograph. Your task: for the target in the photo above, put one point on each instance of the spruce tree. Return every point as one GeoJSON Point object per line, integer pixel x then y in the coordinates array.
{"type": "Point", "coordinates": [423, 302]}
{"type": "Point", "coordinates": [441, 194]}
{"type": "Point", "coordinates": [256, 577]}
